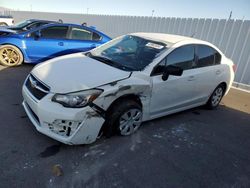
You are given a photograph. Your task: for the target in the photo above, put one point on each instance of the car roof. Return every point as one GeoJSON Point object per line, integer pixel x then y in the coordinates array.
{"type": "Point", "coordinates": [37, 20]}
{"type": "Point", "coordinates": [70, 25]}
{"type": "Point", "coordinates": [65, 24]}
{"type": "Point", "coordinates": [168, 39]}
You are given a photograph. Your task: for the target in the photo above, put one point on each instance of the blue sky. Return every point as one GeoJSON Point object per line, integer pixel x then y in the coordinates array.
{"type": "Point", "coordinates": [163, 8]}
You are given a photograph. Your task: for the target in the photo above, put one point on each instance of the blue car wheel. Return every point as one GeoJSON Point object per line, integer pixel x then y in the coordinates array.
{"type": "Point", "coordinates": [10, 55]}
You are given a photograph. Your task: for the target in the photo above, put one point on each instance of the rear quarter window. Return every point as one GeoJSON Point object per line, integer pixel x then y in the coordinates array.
{"type": "Point", "coordinates": [217, 58]}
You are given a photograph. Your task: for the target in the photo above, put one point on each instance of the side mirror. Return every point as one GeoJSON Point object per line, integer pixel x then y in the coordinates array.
{"type": "Point", "coordinates": [171, 70]}
{"type": "Point", "coordinates": [37, 35]}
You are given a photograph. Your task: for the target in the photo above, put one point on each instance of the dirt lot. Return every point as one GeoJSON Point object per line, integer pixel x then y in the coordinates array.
{"type": "Point", "coordinates": [195, 148]}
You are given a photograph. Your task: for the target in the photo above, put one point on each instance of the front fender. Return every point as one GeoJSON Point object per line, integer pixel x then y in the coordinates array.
{"type": "Point", "coordinates": [131, 86]}
{"type": "Point", "coordinates": [17, 42]}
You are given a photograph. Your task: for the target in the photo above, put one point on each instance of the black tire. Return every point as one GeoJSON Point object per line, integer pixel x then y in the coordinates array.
{"type": "Point", "coordinates": [112, 124]}
{"type": "Point", "coordinates": [215, 98]}
{"type": "Point", "coordinates": [10, 56]}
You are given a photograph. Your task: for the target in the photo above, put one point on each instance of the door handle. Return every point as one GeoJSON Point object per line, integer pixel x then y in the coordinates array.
{"type": "Point", "coordinates": [217, 72]}
{"type": "Point", "coordinates": [191, 78]}
{"type": "Point", "coordinates": [60, 43]}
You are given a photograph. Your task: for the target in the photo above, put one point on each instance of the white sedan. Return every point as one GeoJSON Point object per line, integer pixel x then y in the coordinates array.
{"type": "Point", "coordinates": [119, 85]}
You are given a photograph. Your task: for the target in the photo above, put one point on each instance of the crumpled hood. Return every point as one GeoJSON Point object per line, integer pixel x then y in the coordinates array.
{"type": "Point", "coordinates": [76, 72]}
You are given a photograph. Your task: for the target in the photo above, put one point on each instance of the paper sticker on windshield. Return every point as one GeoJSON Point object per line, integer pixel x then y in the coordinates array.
{"type": "Point", "coordinates": [153, 45]}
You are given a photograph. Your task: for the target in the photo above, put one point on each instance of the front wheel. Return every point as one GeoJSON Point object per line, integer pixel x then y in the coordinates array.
{"type": "Point", "coordinates": [125, 117]}
{"type": "Point", "coordinates": [216, 97]}
{"type": "Point", "coordinates": [10, 56]}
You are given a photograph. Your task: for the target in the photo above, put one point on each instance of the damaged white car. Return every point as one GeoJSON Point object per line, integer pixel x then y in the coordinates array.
{"type": "Point", "coordinates": [119, 85]}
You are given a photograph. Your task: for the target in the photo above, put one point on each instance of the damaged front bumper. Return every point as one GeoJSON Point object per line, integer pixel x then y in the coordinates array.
{"type": "Point", "coordinates": [67, 125]}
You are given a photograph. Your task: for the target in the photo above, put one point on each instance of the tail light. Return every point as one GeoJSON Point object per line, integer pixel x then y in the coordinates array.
{"type": "Point", "coordinates": [234, 67]}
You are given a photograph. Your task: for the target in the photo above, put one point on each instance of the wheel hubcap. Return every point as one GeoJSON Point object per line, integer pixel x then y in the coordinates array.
{"type": "Point", "coordinates": [130, 121]}
{"type": "Point", "coordinates": [9, 56]}
{"type": "Point", "coordinates": [217, 96]}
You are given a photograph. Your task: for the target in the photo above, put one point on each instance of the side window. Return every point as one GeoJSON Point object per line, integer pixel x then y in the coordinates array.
{"type": "Point", "coordinates": [83, 34]}
{"type": "Point", "coordinates": [182, 57]}
{"type": "Point", "coordinates": [54, 32]}
{"type": "Point", "coordinates": [207, 56]}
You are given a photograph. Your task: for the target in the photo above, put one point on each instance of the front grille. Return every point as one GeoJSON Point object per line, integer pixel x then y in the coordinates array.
{"type": "Point", "coordinates": [36, 88]}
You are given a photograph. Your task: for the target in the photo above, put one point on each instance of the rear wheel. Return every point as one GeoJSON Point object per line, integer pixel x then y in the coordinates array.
{"type": "Point", "coordinates": [10, 55]}
{"type": "Point", "coordinates": [216, 97]}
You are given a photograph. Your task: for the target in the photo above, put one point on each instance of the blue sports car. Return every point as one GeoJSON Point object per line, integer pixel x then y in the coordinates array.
{"type": "Point", "coordinates": [45, 42]}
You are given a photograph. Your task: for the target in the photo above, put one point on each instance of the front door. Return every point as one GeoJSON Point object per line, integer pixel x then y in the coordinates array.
{"type": "Point", "coordinates": [52, 42]}
{"type": "Point", "coordinates": [177, 92]}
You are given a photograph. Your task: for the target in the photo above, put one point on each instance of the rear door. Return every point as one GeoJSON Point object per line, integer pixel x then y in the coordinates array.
{"type": "Point", "coordinates": [52, 42]}
{"type": "Point", "coordinates": [83, 39]}
{"type": "Point", "coordinates": [209, 70]}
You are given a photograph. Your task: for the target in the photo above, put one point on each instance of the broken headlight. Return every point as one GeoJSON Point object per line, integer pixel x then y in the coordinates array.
{"type": "Point", "coordinates": [78, 99]}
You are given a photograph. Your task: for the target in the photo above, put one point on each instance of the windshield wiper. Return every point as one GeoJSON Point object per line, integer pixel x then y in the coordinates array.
{"type": "Point", "coordinates": [108, 61]}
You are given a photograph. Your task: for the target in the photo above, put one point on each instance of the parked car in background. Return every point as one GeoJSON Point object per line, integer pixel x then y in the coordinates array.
{"type": "Point", "coordinates": [46, 42]}
{"type": "Point", "coordinates": [119, 85]}
{"type": "Point", "coordinates": [29, 24]}
{"type": "Point", "coordinates": [6, 20]}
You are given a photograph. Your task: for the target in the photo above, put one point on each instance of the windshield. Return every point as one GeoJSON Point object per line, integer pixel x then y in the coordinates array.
{"type": "Point", "coordinates": [128, 52]}
{"type": "Point", "coordinates": [22, 24]}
